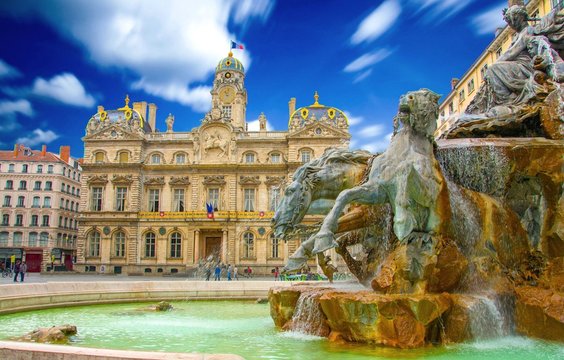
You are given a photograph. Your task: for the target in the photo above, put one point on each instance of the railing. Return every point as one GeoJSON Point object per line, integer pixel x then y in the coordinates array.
{"type": "Point", "coordinates": [203, 215]}
{"type": "Point", "coordinates": [267, 134]}
{"type": "Point", "coordinates": [169, 136]}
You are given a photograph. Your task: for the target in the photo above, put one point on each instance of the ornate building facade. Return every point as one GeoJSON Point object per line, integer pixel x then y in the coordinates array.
{"type": "Point", "coordinates": [164, 202]}
{"type": "Point", "coordinates": [40, 194]}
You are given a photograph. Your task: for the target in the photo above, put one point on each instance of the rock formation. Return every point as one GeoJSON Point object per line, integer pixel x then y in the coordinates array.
{"type": "Point", "coordinates": [52, 335]}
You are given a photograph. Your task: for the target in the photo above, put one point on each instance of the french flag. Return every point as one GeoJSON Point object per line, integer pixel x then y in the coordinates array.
{"type": "Point", "coordinates": [209, 208]}
{"type": "Point", "coordinates": [234, 45]}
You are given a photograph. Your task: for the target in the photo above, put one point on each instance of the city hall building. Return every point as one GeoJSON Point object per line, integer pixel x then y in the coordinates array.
{"type": "Point", "coordinates": [164, 202]}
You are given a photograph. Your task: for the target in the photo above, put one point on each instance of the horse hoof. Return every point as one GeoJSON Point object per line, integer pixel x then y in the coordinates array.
{"type": "Point", "coordinates": [294, 264]}
{"type": "Point", "coordinates": [324, 242]}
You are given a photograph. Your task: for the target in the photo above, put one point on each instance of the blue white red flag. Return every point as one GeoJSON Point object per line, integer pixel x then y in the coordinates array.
{"type": "Point", "coordinates": [234, 45]}
{"type": "Point", "coordinates": [209, 208]}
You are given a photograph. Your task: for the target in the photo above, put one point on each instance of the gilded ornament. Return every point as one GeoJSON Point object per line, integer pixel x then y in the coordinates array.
{"type": "Point", "coordinates": [305, 113]}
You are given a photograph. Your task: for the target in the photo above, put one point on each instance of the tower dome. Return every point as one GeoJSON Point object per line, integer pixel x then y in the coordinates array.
{"type": "Point", "coordinates": [230, 64]}
{"type": "Point", "coordinates": [317, 113]}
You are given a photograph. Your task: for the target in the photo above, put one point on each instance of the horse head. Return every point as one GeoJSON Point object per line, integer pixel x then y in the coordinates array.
{"type": "Point", "coordinates": [419, 110]}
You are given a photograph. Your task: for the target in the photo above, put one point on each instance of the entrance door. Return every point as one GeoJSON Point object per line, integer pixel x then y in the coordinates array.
{"type": "Point", "coordinates": [33, 262]}
{"type": "Point", "coordinates": [213, 247]}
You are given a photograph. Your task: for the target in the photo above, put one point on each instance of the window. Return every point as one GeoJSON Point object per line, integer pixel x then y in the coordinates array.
{"type": "Point", "coordinates": [24, 168]}
{"type": "Point", "coordinates": [119, 244]}
{"type": "Point", "coordinates": [6, 220]}
{"type": "Point", "coordinates": [62, 204]}
{"type": "Point", "coordinates": [32, 241]}
{"type": "Point", "coordinates": [248, 245]}
{"type": "Point", "coordinates": [123, 157]}
{"type": "Point", "coordinates": [178, 204]}
{"type": "Point", "coordinates": [175, 245]}
{"type": "Point", "coordinates": [154, 200]}
{"type": "Point", "coordinates": [7, 201]}
{"type": "Point", "coordinates": [35, 203]}
{"type": "Point", "coordinates": [72, 190]}
{"type": "Point", "coordinates": [94, 244]}
{"type": "Point", "coordinates": [46, 202]}
{"type": "Point", "coordinates": [471, 86]}
{"type": "Point", "coordinates": [249, 158]}
{"type": "Point", "coordinates": [275, 158]}
{"type": "Point", "coordinates": [39, 171]}
{"type": "Point", "coordinates": [213, 198]}
{"type": "Point", "coordinates": [21, 201]}
{"type": "Point", "coordinates": [23, 185]}
{"type": "Point", "coordinates": [66, 204]}
{"type": "Point", "coordinates": [451, 108]}
{"type": "Point", "coordinates": [19, 220]}
{"type": "Point", "coordinates": [99, 157]}
{"type": "Point", "coordinates": [498, 53]}
{"type": "Point", "coordinates": [49, 169]}
{"type": "Point", "coordinates": [155, 159]}
{"type": "Point", "coordinates": [11, 168]}
{"type": "Point", "coordinates": [72, 206]}
{"type": "Point", "coordinates": [9, 185]}
{"type": "Point", "coordinates": [18, 239]}
{"type": "Point", "coordinates": [37, 185]}
{"type": "Point", "coordinates": [274, 198]}
{"type": "Point", "coordinates": [43, 239]}
{"type": "Point", "coordinates": [48, 185]}
{"type": "Point", "coordinates": [227, 111]}
{"type": "Point", "coordinates": [63, 187]}
{"type": "Point", "coordinates": [180, 158]}
{"type": "Point", "coordinates": [306, 155]}
{"type": "Point", "coordinates": [96, 204]}
{"type": "Point", "coordinates": [68, 189]}
{"type": "Point", "coordinates": [65, 224]}
{"type": "Point", "coordinates": [249, 200]}
{"type": "Point", "coordinates": [34, 220]}
{"type": "Point", "coordinates": [45, 220]}
{"type": "Point", "coordinates": [121, 195]}
{"type": "Point", "coordinates": [4, 238]}
{"type": "Point", "coordinates": [275, 242]}
{"type": "Point", "coordinates": [150, 244]}
{"type": "Point", "coordinates": [461, 96]}
{"type": "Point", "coordinates": [483, 71]}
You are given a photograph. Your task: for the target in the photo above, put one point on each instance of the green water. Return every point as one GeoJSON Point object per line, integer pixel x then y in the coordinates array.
{"type": "Point", "coordinates": [238, 327]}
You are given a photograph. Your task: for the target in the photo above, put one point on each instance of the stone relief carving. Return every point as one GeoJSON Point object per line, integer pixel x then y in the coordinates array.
{"type": "Point", "coordinates": [275, 180]}
{"type": "Point", "coordinates": [122, 179]}
{"type": "Point", "coordinates": [214, 180]}
{"type": "Point", "coordinates": [179, 180]}
{"type": "Point", "coordinates": [249, 180]}
{"type": "Point", "coordinates": [97, 179]}
{"type": "Point", "coordinates": [157, 180]}
{"type": "Point", "coordinates": [214, 140]}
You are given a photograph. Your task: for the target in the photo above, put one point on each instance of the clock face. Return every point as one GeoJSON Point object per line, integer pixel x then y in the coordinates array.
{"type": "Point", "coordinates": [227, 95]}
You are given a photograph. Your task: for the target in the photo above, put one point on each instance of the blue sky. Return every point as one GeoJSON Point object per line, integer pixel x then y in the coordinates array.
{"type": "Point", "coordinates": [59, 59]}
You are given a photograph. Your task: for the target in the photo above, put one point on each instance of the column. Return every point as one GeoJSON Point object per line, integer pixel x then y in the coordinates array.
{"type": "Point", "coordinates": [196, 246]}
{"type": "Point", "coordinates": [224, 247]}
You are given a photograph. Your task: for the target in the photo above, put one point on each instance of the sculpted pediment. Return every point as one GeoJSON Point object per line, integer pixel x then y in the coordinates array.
{"type": "Point", "coordinates": [97, 179]}
{"type": "Point", "coordinates": [157, 180]}
{"type": "Point", "coordinates": [319, 130]}
{"type": "Point", "coordinates": [214, 180]}
{"type": "Point", "coordinates": [122, 179]}
{"type": "Point", "coordinates": [275, 180]}
{"type": "Point", "coordinates": [249, 180]}
{"type": "Point", "coordinates": [114, 132]}
{"type": "Point", "coordinates": [179, 180]}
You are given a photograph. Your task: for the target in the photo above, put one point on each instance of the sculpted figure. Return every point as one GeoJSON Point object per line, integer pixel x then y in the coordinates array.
{"type": "Point", "coordinates": [214, 141]}
{"type": "Point", "coordinates": [169, 122]}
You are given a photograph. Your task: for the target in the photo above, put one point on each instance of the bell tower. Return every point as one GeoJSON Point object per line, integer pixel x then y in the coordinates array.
{"type": "Point", "coordinates": [229, 95]}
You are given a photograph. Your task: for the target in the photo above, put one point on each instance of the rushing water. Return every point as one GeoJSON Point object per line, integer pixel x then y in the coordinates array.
{"type": "Point", "coordinates": [242, 328]}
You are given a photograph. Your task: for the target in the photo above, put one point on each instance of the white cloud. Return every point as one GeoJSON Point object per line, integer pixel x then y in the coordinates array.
{"type": "Point", "coordinates": [367, 60]}
{"type": "Point", "coordinates": [378, 22]}
{"type": "Point", "coordinates": [442, 9]}
{"type": "Point", "coordinates": [254, 125]}
{"type": "Point", "coordinates": [176, 45]}
{"type": "Point", "coordinates": [377, 145]}
{"type": "Point", "coordinates": [37, 137]}
{"type": "Point", "coordinates": [65, 88]}
{"type": "Point", "coordinates": [7, 71]}
{"type": "Point", "coordinates": [353, 120]}
{"type": "Point", "coordinates": [488, 21]}
{"type": "Point", "coordinates": [362, 76]}
{"type": "Point", "coordinates": [21, 106]}
{"type": "Point", "coordinates": [199, 98]}
{"type": "Point", "coordinates": [370, 131]}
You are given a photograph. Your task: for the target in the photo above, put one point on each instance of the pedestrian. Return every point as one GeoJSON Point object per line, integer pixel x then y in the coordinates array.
{"type": "Point", "coordinates": [208, 273]}
{"type": "Point", "coordinates": [17, 270]}
{"type": "Point", "coordinates": [217, 273]}
{"type": "Point", "coordinates": [276, 273]}
{"type": "Point", "coordinates": [23, 270]}
{"type": "Point", "coordinates": [235, 273]}
{"type": "Point", "coordinates": [249, 271]}
{"type": "Point", "coordinates": [229, 272]}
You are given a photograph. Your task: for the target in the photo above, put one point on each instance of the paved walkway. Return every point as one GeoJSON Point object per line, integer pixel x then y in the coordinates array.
{"type": "Point", "coordinates": [75, 277]}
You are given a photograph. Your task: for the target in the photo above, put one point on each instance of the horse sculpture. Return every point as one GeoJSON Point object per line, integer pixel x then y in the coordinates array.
{"type": "Point", "coordinates": [215, 141]}
{"type": "Point", "coordinates": [407, 176]}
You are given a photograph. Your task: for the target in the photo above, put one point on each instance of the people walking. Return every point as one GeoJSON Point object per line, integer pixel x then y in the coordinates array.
{"type": "Point", "coordinates": [208, 273]}
{"type": "Point", "coordinates": [276, 274]}
{"type": "Point", "coordinates": [217, 273]}
{"type": "Point", "coordinates": [249, 271]}
{"type": "Point", "coordinates": [23, 270]}
{"type": "Point", "coordinates": [229, 269]}
{"type": "Point", "coordinates": [235, 273]}
{"type": "Point", "coordinates": [17, 270]}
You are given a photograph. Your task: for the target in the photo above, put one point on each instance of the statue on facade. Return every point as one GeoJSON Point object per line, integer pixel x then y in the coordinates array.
{"type": "Point", "coordinates": [215, 141]}
{"type": "Point", "coordinates": [169, 122]}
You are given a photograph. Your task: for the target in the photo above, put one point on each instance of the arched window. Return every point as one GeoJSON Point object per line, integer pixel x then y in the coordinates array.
{"type": "Point", "coordinates": [305, 155]}
{"type": "Point", "coordinates": [9, 185]}
{"type": "Point", "coordinates": [275, 247]}
{"type": "Point", "coordinates": [99, 157]}
{"type": "Point", "coordinates": [18, 238]}
{"type": "Point", "coordinates": [155, 159]}
{"type": "Point", "coordinates": [249, 158]}
{"type": "Point", "coordinates": [180, 158]}
{"type": "Point", "coordinates": [94, 244]}
{"type": "Point", "coordinates": [4, 238]}
{"type": "Point", "coordinates": [150, 244]}
{"type": "Point", "coordinates": [248, 245]}
{"type": "Point", "coordinates": [123, 157]}
{"type": "Point", "coordinates": [175, 245]}
{"type": "Point", "coordinates": [32, 242]}
{"type": "Point", "coordinates": [43, 239]}
{"type": "Point", "coordinates": [275, 158]}
{"type": "Point", "coordinates": [119, 244]}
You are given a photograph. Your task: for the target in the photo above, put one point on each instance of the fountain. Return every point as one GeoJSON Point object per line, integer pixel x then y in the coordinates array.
{"type": "Point", "coordinates": [462, 238]}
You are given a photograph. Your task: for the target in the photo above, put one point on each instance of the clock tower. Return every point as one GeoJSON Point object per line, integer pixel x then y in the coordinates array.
{"type": "Point", "coordinates": [229, 94]}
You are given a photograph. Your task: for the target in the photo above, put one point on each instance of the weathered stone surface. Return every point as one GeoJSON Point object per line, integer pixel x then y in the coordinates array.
{"type": "Point", "coordinates": [53, 335]}
{"type": "Point", "coordinates": [403, 321]}
{"type": "Point", "coordinates": [540, 313]}
{"type": "Point", "coordinates": [282, 304]}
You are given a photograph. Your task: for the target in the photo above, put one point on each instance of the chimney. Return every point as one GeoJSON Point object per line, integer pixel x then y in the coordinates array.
{"type": "Point", "coordinates": [453, 83]}
{"type": "Point", "coordinates": [64, 153]}
{"type": "Point", "coordinates": [16, 150]}
{"type": "Point", "coordinates": [153, 117]}
{"type": "Point", "coordinates": [291, 106]}
{"type": "Point", "coordinates": [44, 150]}
{"type": "Point", "coordinates": [141, 108]}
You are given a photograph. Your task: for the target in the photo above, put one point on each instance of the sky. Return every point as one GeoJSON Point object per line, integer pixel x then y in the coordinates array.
{"type": "Point", "coordinates": [59, 59]}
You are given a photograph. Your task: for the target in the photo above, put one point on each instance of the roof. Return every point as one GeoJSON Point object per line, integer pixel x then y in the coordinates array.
{"type": "Point", "coordinates": [230, 63]}
{"type": "Point", "coordinates": [25, 154]}
{"type": "Point", "coordinates": [317, 112]}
